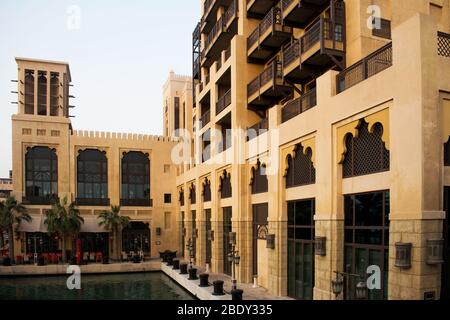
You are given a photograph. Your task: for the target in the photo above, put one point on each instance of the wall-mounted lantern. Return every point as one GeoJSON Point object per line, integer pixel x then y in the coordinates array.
{"type": "Point", "coordinates": [210, 235]}
{"type": "Point", "coordinates": [321, 246]}
{"type": "Point", "coordinates": [183, 232]}
{"type": "Point", "coordinates": [270, 241]}
{"type": "Point", "coordinates": [435, 251]}
{"type": "Point", "coordinates": [403, 253]}
{"type": "Point", "coordinates": [158, 231]}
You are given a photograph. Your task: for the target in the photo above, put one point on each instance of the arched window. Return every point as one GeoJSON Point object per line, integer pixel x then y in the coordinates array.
{"type": "Point", "coordinates": [193, 194]}
{"type": "Point", "coordinates": [301, 169]}
{"type": "Point", "coordinates": [367, 153]}
{"type": "Point", "coordinates": [259, 181]}
{"type": "Point", "coordinates": [135, 179]}
{"type": "Point", "coordinates": [92, 178]}
{"type": "Point", "coordinates": [29, 92]}
{"type": "Point", "coordinates": [41, 165]}
{"type": "Point", "coordinates": [42, 93]}
{"type": "Point", "coordinates": [206, 190]}
{"type": "Point", "coordinates": [225, 186]}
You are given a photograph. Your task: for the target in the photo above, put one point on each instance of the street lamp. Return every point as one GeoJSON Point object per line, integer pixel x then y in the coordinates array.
{"type": "Point", "coordinates": [337, 285]}
{"type": "Point", "coordinates": [234, 258]}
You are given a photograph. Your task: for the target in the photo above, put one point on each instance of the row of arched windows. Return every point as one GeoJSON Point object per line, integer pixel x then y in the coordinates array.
{"type": "Point", "coordinates": [92, 175]}
{"type": "Point", "coordinates": [365, 154]}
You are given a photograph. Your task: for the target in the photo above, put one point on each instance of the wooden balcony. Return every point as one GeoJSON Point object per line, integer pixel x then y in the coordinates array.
{"type": "Point", "coordinates": [317, 50]}
{"type": "Point", "coordinates": [220, 35]}
{"type": "Point", "coordinates": [300, 13]}
{"type": "Point", "coordinates": [209, 13]}
{"type": "Point", "coordinates": [257, 9]}
{"type": "Point", "coordinates": [268, 88]}
{"type": "Point", "coordinates": [268, 37]}
{"type": "Point", "coordinates": [298, 106]}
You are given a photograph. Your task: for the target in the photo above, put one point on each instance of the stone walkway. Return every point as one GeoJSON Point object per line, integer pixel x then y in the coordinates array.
{"type": "Point", "coordinates": [250, 293]}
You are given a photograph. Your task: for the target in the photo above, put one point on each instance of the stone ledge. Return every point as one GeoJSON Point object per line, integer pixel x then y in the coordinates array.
{"type": "Point", "coordinates": [31, 270]}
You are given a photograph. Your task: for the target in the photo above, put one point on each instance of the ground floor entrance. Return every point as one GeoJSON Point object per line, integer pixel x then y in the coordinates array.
{"type": "Point", "coordinates": [136, 238]}
{"type": "Point", "coordinates": [301, 233]}
{"type": "Point", "coordinates": [366, 241]}
{"type": "Point", "coordinates": [208, 228]}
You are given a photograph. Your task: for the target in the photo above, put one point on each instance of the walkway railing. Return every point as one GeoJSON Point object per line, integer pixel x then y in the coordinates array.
{"type": "Point", "coordinates": [364, 69]}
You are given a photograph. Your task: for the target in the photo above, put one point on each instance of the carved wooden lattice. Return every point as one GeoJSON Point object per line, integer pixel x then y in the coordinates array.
{"type": "Point", "coordinates": [444, 44]}
{"type": "Point", "coordinates": [367, 153]}
{"type": "Point", "coordinates": [301, 169]}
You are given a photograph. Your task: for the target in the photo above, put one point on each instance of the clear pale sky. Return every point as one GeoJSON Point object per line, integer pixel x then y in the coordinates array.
{"type": "Point", "coordinates": [119, 58]}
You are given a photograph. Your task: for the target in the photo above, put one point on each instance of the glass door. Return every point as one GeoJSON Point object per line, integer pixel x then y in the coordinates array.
{"type": "Point", "coordinates": [227, 228]}
{"type": "Point", "coordinates": [301, 235]}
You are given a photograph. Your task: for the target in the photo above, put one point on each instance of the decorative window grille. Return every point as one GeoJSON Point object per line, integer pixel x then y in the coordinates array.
{"type": "Point", "coordinates": [367, 153]}
{"type": "Point", "coordinates": [301, 169]}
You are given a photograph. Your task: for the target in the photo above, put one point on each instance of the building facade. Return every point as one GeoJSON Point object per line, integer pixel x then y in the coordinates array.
{"type": "Point", "coordinates": [93, 169]}
{"type": "Point", "coordinates": [321, 139]}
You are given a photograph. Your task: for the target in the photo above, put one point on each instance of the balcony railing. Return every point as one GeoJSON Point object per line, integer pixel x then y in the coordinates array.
{"type": "Point", "coordinates": [444, 44]}
{"type": "Point", "coordinates": [223, 102]}
{"type": "Point", "coordinates": [92, 202]}
{"type": "Point", "coordinates": [207, 5]}
{"type": "Point", "coordinates": [258, 129]}
{"type": "Point", "coordinates": [366, 68]}
{"type": "Point", "coordinates": [269, 21]}
{"type": "Point", "coordinates": [205, 118]}
{"type": "Point", "coordinates": [196, 67]}
{"type": "Point", "coordinates": [269, 74]}
{"type": "Point", "coordinates": [136, 202]}
{"type": "Point", "coordinates": [299, 105]}
{"type": "Point", "coordinates": [228, 53]}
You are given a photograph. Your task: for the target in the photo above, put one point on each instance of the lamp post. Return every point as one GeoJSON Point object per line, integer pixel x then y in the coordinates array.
{"type": "Point", "coordinates": [234, 258]}
{"type": "Point", "coordinates": [337, 285]}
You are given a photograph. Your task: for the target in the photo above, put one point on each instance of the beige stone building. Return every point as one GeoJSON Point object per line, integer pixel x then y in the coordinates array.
{"type": "Point", "coordinates": [93, 169]}
{"type": "Point", "coordinates": [337, 158]}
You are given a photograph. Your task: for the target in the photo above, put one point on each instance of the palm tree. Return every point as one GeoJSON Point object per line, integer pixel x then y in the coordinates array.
{"type": "Point", "coordinates": [113, 221]}
{"type": "Point", "coordinates": [65, 220]}
{"type": "Point", "coordinates": [12, 214]}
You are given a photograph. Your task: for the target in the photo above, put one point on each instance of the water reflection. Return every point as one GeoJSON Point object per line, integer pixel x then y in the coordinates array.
{"type": "Point", "coordinates": [142, 286]}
